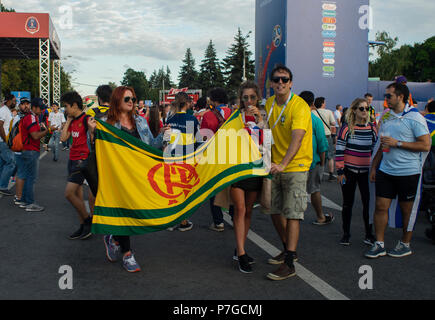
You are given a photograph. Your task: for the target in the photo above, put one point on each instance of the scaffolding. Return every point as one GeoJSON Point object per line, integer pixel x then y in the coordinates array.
{"type": "Point", "coordinates": [33, 36]}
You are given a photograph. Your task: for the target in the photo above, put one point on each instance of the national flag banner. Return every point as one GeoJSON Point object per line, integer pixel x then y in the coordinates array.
{"type": "Point", "coordinates": [430, 118]}
{"type": "Point", "coordinates": [140, 190]}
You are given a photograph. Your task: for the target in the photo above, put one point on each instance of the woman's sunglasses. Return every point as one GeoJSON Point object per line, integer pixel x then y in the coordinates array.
{"type": "Point", "coordinates": [247, 98]}
{"type": "Point", "coordinates": [362, 109]}
{"type": "Point", "coordinates": [284, 79]}
{"type": "Point", "coordinates": [127, 99]}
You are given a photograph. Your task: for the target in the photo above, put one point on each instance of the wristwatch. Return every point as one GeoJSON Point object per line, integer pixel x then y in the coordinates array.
{"type": "Point", "coordinates": [399, 144]}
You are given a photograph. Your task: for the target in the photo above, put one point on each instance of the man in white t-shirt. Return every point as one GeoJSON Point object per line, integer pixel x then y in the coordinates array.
{"type": "Point", "coordinates": [329, 124]}
{"type": "Point", "coordinates": [7, 158]}
{"type": "Point", "coordinates": [337, 116]}
{"type": "Point", "coordinates": [56, 119]}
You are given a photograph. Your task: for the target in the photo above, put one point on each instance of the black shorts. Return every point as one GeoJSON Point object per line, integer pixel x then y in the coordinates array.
{"type": "Point", "coordinates": [250, 184]}
{"type": "Point", "coordinates": [389, 187]}
{"type": "Point", "coordinates": [74, 173]}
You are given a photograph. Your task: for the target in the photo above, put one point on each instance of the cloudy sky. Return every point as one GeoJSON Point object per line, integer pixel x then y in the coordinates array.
{"type": "Point", "coordinates": [101, 38]}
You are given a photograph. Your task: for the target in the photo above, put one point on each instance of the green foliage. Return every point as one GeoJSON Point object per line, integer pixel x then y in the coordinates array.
{"type": "Point", "coordinates": [188, 76]}
{"type": "Point", "coordinates": [416, 62]}
{"type": "Point", "coordinates": [159, 77]}
{"type": "Point", "coordinates": [23, 75]}
{"type": "Point", "coordinates": [234, 61]}
{"type": "Point", "coordinates": [4, 9]}
{"type": "Point", "coordinates": [138, 81]}
{"type": "Point", "coordinates": [210, 75]}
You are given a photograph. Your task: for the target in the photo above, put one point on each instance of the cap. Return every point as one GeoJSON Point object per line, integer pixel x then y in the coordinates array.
{"type": "Point", "coordinates": [401, 79]}
{"type": "Point", "coordinates": [38, 102]}
{"type": "Point", "coordinates": [24, 100]}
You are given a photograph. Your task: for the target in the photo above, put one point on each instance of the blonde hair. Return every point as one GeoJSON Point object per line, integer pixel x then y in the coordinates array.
{"type": "Point", "coordinates": [350, 114]}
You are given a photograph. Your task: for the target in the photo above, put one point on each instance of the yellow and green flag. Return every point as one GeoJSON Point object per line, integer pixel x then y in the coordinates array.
{"type": "Point", "coordinates": [140, 190]}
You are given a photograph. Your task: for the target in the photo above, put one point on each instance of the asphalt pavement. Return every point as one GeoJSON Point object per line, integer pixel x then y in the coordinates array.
{"type": "Point", "coordinates": [197, 264]}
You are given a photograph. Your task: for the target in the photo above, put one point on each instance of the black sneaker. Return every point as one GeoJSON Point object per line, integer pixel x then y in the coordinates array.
{"type": "Point", "coordinates": [77, 234]}
{"type": "Point", "coordinates": [86, 232]}
{"type": "Point", "coordinates": [236, 258]}
{"type": "Point", "coordinates": [345, 240]}
{"type": "Point", "coordinates": [6, 192]}
{"type": "Point", "coordinates": [185, 227]}
{"type": "Point", "coordinates": [244, 265]}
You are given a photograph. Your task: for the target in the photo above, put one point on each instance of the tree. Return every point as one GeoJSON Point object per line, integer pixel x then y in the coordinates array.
{"type": "Point", "coordinates": [423, 61]}
{"type": "Point", "coordinates": [416, 62]}
{"type": "Point", "coordinates": [112, 85]}
{"type": "Point", "coordinates": [210, 75]}
{"type": "Point", "coordinates": [156, 81]}
{"type": "Point", "coordinates": [138, 81]}
{"type": "Point", "coordinates": [233, 63]}
{"type": "Point", "coordinates": [15, 79]}
{"type": "Point", "coordinates": [4, 9]}
{"type": "Point", "coordinates": [157, 78]}
{"type": "Point", "coordinates": [188, 76]}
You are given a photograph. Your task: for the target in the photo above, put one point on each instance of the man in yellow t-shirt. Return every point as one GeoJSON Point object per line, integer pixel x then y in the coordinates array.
{"type": "Point", "coordinates": [292, 154]}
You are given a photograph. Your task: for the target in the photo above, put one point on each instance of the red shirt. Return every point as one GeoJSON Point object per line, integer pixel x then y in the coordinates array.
{"type": "Point", "coordinates": [30, 123]}
{"type": "Point", "coordinates": [210, 121]}
{"type": "Point", "coordinates": [79, 129]}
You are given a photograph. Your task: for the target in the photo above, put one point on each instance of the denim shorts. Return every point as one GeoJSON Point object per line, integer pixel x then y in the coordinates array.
{"type": "Point", "coordinates": [20, 165]}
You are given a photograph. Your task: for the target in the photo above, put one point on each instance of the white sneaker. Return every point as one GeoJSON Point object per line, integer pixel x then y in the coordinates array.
{"type": "Point", "coordinates": [34, 208]}
{"type": "Point", "coordinates": [217, 227]}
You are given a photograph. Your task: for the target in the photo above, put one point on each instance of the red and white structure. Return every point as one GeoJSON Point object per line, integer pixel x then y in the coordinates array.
{"type": "Point", "coordinates": [33, 36]}
{"type": "Point", "coordinates": [168, 96]}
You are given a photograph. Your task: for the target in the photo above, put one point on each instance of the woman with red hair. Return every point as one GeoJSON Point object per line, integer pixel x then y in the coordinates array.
{"type": "Point", "coordinates": [122, 115]}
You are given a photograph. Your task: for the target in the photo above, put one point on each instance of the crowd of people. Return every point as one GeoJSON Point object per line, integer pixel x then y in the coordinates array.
{"type": "Point", "coordinates": [306, 139]}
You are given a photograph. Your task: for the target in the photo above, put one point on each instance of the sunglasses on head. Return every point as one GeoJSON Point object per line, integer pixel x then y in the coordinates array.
{"type": "Point", "coordinates": [247, 98]}
{"type": "Point", "coordinates": [283, 79]}
{"type": "Point", "coordinates": [362, 109]}
{"type": "Point", "coordinates": [127, 99]}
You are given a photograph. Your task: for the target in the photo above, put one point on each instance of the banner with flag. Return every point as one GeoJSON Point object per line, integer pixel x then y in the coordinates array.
{"type": "Point", "coordinates": [141, 191]}
{"type": "Point", "coordinates": [430, 119]}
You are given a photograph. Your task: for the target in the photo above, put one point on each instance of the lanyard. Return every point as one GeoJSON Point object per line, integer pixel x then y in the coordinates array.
{"type": "Point", "coordinates": [282, 111]}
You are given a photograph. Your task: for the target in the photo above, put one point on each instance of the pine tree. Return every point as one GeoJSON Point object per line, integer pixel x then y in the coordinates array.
{"type": "Point", "coordinates": [157, 78]}
{"type": "Point", "coordinates": [188, 76]}
{"type": "Point", "coordinates": [233, 63]}
{"type": "Point", "coordinates": [210, 75]}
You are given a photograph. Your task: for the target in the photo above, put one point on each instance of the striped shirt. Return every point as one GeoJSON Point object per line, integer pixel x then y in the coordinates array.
{"type": "Point", "coordinates": [354, 151]}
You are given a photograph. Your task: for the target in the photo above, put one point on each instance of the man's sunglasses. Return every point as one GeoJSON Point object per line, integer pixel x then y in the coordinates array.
{"type": "Point", "coordinates": [247, 98]}
{"type": "Point", "coordinates": [284, 79]}
{"type": "Point", "coordinates": [362, 109]}
{"type": "Point", "coordinates": [388, 96]}
{"type": "Point", "coordinates": [127, 99]}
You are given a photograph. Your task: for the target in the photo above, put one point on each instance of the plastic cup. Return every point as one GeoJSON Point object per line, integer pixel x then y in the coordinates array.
{"type": "Point", "coordinates": [385, 134]}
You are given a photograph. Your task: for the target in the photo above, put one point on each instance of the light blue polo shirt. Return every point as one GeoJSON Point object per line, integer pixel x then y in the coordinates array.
{"type": "Point", "coordinates": [400, 162]}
